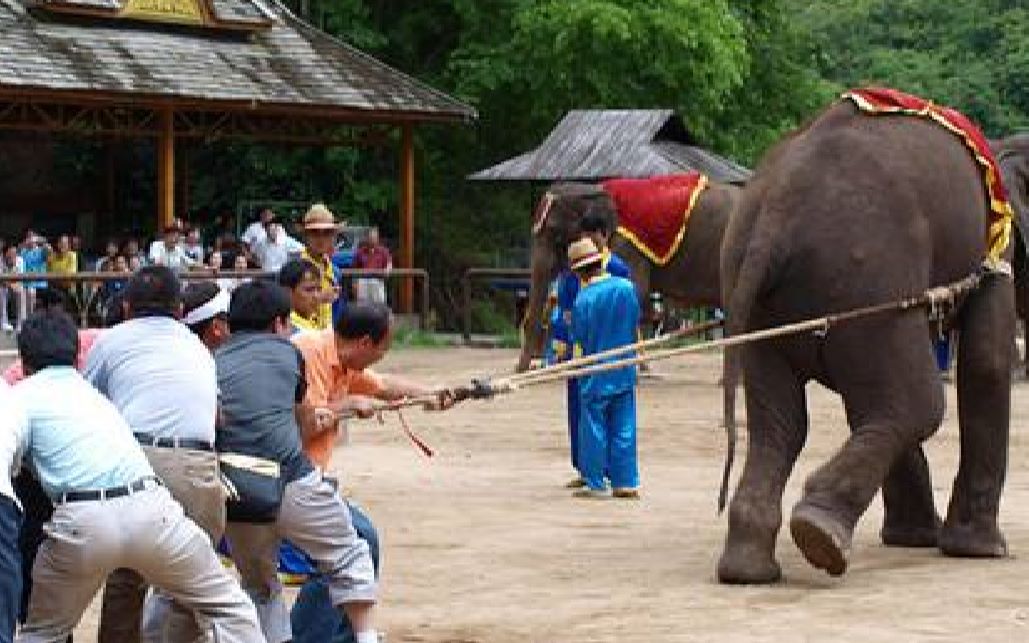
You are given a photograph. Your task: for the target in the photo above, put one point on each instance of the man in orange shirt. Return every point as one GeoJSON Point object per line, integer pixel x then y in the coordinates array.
{"type": "Point", "coordinates": [336, 363]}
{"type": "Point", "coordinates": [339, 378]}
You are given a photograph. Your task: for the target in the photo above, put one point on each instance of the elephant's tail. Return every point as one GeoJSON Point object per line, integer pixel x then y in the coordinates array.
{"type": "Point", "coordinates": [746, 269]}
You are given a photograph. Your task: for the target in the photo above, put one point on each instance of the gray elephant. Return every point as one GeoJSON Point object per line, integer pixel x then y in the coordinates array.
{"type": "Point", "coordinates": [690, 277]}
{"type": "Point", "coordinates": [1013, 158]}
{"type": "Point", "coordinates": [850, 211]}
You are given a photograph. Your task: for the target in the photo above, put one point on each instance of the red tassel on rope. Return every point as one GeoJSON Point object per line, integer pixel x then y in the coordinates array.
{"type": "Point", "coordinates": [418, 442]}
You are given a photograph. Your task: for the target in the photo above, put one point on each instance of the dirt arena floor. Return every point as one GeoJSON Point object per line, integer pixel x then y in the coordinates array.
{"type": "Point", "coordinates": [483, 544]}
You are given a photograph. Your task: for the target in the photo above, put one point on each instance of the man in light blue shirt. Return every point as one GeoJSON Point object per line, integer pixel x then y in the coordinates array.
{"type": "Point", "coordinates": [111, 511]}
{"type": "Point", "coordinates": [162, 380]}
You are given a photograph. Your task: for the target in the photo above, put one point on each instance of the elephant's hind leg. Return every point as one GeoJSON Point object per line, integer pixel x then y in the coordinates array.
{"type": "Point", "coordinates": [776, 430]}
{"type": "Point", "coordinates": [911, 519]}
{"type": "Point", "coordinates": [984, 406]}
{"type": "Point", "coordinates": [887, 376]}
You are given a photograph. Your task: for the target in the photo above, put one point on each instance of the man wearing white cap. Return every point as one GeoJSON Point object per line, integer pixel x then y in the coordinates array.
{"type": "Point", "coordinates": [605, 317]}
{"type": "Point", "coordinates": [206, 307]}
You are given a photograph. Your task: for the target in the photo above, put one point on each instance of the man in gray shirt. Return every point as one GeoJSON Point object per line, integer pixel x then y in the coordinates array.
{"type": "Point", "coordinates": [162, 380]}
{"type": "Point", "coordinates": [261, 377]}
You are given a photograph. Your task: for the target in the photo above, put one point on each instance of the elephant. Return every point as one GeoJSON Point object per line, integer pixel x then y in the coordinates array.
{"type": "Point", "coordinates": [1013, 158]}
{"type": "Point", "coordinates": [690, 277]}
{"type": "Point", "coordinates": [849, 211]}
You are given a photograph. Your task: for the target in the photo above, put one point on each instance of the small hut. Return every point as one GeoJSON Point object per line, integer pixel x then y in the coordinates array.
{"type": "Point", "coordinates": [592, 145]}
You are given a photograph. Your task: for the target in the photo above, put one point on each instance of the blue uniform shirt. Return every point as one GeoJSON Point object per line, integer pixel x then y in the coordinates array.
{"type": "Point", "coordinates": [568, 286]}
{"type": "Point", "coordinates": [606, 315]}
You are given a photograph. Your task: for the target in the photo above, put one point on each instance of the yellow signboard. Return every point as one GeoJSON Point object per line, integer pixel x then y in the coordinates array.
{"type": "Point", "coordinates": [176, 11]}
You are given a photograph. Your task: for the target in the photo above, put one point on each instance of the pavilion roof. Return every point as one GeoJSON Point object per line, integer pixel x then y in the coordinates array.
{"type": "Point", "coordinates": [251, 54]}
{"type": "Point", "coordinates": [591, 145]}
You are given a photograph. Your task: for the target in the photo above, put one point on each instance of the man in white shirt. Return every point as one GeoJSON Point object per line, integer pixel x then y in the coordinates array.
{"type": "Point", "coordinates": [111, 510]}
{"type": "Point", "coordinates": [12, 264]}
{"type": "Point", "coordinates": [274, 251]}
{"type": "Point", "coordinates": [12, 438]}
{"type": "Point", "coordinates": [162, 380]}
{"type": "Point", "coordinates": [169, 252]}
{"type": "Point", "coordinates": [257, 231]}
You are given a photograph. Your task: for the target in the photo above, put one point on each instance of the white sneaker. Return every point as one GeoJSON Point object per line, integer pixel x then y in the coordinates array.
{"type": "Point", "coordinates": [7, 328]}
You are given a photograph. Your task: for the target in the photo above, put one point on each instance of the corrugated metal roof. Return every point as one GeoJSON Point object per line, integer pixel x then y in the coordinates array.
{"type": "Point", "coordinates": [288, 64]}
{"type": "Point", "coordinates": [590, 145]}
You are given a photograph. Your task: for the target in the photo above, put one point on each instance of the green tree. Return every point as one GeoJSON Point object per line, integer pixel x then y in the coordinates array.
{"type": "Point", "coordinates": [969, 54]}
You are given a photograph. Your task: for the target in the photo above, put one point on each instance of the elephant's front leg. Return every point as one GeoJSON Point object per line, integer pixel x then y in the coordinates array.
{"type": "Point", "coordinates": [911, 519]}
{"type": "Point", "coordinates": [776, 430]}
{"type": "Point", "coordinates": [984, 407]}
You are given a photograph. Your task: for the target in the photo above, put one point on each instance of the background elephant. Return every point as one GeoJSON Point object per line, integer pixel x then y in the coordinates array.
{"type": "Point", "coordinates": [850, 211]}
{"type": "Point", "coordinates": [690, 278]}
{"type": "Point", "coordinates": [1013, 158]}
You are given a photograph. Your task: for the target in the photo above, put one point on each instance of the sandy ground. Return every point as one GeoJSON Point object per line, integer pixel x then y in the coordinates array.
{"type": "Point", "coordinates": [482, 543]}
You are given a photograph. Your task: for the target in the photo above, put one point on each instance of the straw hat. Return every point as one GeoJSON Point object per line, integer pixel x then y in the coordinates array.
{"type": "Point", "coordinates": [320, 217]}
{"type": "Point", "coordinates": [583, 253]}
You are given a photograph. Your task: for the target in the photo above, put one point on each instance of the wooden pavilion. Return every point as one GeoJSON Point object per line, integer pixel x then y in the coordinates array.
{"type": "Point", "coordinates": [206, 69]}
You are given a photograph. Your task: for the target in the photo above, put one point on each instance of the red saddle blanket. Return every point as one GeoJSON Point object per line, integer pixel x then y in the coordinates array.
{"type": "Point", "coordinates": [878, 100]}
{"type": "Point", "coordinates": [653, 213]}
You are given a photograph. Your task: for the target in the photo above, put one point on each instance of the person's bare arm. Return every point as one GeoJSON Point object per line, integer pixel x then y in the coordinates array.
{"type": "Point", "coordinates": [398, 388]}
{"type": "Point", "coordinates": [307, 419]}
{"type": "Point", "coordinates": [317, 419]}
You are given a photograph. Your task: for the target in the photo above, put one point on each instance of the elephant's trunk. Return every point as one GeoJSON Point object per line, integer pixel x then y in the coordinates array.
{"type": "Point", "coordinates": [533, 325]}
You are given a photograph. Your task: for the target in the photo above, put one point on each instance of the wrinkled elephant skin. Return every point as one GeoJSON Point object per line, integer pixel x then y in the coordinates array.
{"type": "Point", "coordinates": [853, 211]}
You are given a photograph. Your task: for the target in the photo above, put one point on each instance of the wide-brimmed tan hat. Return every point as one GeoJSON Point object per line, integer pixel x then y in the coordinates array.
{"type": "Point", "coordinates": [583, 253]}
{"type": "Point", "coordinates": [320, 217]}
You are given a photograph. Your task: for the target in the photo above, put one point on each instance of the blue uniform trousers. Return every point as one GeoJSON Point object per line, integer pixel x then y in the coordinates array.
{"type": "Point", "coordinates": [10, 568]}
{"type": "Point", "coordinates": [573, 421]}
{"type": "Point", "coordinates": [607, 440]}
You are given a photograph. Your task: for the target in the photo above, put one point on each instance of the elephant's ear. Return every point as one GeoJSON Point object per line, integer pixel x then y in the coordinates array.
{"type": "Point", "coordinates": [539, 219]}
{"type": "Point", "coordinates": [1013, 162]}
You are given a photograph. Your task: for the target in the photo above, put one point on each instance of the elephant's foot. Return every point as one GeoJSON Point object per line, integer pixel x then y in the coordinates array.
{"type": "Point", "coordinates": [973, 540]}
{"type": "Point", "coordinates": [824, 542]}
{"type": "Point", "coordinates": [900, 535]}
{"type": "Point", "coordinates": [747, 565]}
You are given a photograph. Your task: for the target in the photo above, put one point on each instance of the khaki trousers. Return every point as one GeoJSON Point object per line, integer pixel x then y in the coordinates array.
{"type": "Point", "coordinates": [149, 533]}
{"type": "Point", "coordinates": [315, 519]}
{"type": "Point", "coordinates": [193, 480]}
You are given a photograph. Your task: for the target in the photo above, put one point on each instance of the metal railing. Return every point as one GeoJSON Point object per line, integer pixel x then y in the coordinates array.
{"type": "Point", "coordinates": [474, 274]}
{"type": "Point", "coordinates": [94, 279]}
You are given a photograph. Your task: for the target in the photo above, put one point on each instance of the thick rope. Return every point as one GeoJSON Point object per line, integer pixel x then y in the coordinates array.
{"type": "Point", "coordinates": [933, 298]}
{"type": "Point", "coordinates": [585, 360]}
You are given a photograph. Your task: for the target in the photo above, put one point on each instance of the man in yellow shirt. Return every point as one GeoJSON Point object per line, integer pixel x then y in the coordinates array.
{"type": "Point", "coordinates": [320, 230]}
{"type": "Point", "coordinates": [63, 261]}
{"type": "Point", "coordinates": [303, 280]}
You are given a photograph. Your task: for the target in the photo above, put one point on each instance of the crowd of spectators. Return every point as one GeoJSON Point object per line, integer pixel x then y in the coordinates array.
{"type": "Point", "coordinates": [264, 245]}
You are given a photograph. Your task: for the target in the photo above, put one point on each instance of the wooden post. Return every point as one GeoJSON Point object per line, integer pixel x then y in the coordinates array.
{"type": "Point", "coordinates": [110, 186]}
{"type": "Point", "coordinates": [406, 215]}
{"type": "Point", "coordinates": [166, 171]}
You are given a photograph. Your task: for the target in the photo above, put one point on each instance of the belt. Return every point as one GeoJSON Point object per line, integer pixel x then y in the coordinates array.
{"type": "Point", "coordinates": [92, 495]}
{"type": "Point", "coordinates": [195, 444]}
